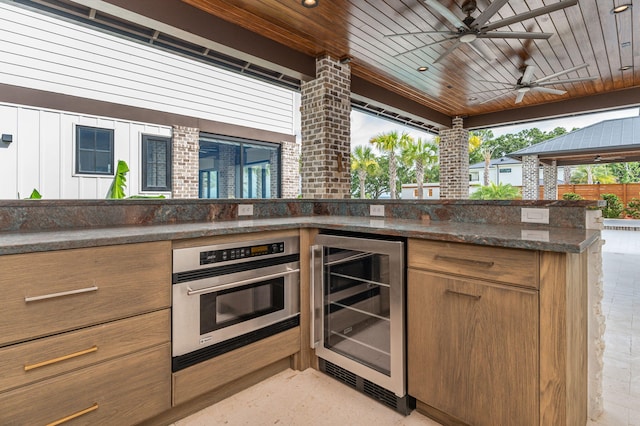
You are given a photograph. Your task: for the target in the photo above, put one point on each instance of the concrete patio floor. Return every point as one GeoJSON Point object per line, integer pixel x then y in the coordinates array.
{"type": "Point", "coordinates": [311, 398]}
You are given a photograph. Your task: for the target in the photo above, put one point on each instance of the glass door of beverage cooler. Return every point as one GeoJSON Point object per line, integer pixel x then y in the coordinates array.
{"type": "Point", "coordinates": [358, 298]}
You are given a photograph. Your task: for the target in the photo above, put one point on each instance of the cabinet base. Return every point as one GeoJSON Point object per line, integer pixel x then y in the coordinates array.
{"type": "Point", "coordinates": [403, 405]}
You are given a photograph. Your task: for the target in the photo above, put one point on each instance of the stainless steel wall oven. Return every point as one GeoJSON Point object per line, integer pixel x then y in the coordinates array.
{"type": "Point", "coordinates": [229, 295]}
{"type": "Point", "coordinates": [358, 314]}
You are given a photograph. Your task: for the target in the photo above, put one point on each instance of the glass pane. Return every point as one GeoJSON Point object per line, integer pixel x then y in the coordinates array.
{"type": "Point", "coordinates": [86, 139]}
{"type": "Point", "coordinates": [224, 159]}
{"type": "Point", "coordinates": [258, 181]}
{"type": "Point", "coordinates": [103, 162]}
{"type": "Point", "coordinates": [156, 157]}
{"type": "Point", "coordinates": [356, 299]}
{"type": "Point", "coordinates": [86, 161]}
{"type": "Point", "coordinates": [103, 140]}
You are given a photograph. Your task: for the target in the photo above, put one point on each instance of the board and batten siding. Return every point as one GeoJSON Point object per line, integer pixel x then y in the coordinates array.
{"type": "Point", "coordinates": [46, 53]}
{"type": "Point", "coordinates": [42, 154]}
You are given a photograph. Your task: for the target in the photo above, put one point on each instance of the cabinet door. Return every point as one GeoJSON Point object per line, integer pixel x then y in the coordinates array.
{"type": "Point", "coordinates": [473, 349]}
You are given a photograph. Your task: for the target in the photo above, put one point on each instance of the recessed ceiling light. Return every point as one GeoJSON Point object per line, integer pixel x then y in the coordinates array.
{"type": "Point", "coordinates": [423, 69]}
{"type": "Point", "coordinates": [310, 3]}
{"type": "Point", "coordinates": [621, 8]}
{"type": "Point", "coordinates": [625, 68]}
{"type": "Point", "coordinates": [473, 98]}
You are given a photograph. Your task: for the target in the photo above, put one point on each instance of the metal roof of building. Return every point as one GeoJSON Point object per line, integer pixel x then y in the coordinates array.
{"type": "Point", "coordinates": [495, 162]}
{"type": "Point", "coordinates": [610, 141]}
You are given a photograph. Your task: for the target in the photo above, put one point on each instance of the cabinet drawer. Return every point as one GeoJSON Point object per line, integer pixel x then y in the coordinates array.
{"type": "Point", "coordinates": [492, 263]}
{"type": "Point", "coordinates": [123, 391]}
{"type": "Point", "coordinates": [41, 359]}
{"type": "Point", "coordinates": [51, 292]}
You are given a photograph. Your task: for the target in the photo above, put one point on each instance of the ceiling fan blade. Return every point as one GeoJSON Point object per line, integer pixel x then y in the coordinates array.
{"type": "Point", "coordinates": [494, 98]}
{"type": "Point", "coordinates": [445, 13]}
{"type": "Point", "coordinates": [549, 90]}
{"type": "Point", "coordinates": [527, 75]}
{"type": "Point", "coordinates": [418, 33]}
{"type": "Point", "coordinates": [515, 34]}
{"type": "Point", "coordinates": [520, 97]}
{"type": "Point", "coordinates": [531, 14]}
{"type": "Point", "coordinates": [447, 52]}
{"type": "Point", "coordinates": [423, 46]}
{"type": "Point", "coordinates": [568, 80]}
{"type": "Point", "coordinates": [492, 91]}
{"type": "Point", "coordinates": [488, 13]}
{"type": "Point", "coordinates": [504, 83]}
{"type": "Point", "coordinates": [482, 50]}
{"type": "Point", "coordinates": [548, 77]}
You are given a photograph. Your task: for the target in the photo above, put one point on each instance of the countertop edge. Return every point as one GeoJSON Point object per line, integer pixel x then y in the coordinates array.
{"type": "Point", "coordinates": [500, 236]}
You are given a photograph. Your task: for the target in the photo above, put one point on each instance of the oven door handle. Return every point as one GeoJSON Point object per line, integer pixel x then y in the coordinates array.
{"type": "Point", "coordinates": [192, 292]}
{"type": "Point", "coordinates": [315, 291]}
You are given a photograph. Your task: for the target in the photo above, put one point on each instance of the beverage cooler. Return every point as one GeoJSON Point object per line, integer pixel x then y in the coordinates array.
{"type": "Point", "coordinates": [358, 315]}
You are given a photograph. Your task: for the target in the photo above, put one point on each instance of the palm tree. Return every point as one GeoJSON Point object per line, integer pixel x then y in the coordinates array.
{"type": "Point", "coordinates": [364, 162]}
{"type": "Point", "coordinates": [389, 143]}
{"type": "Point", "coordinates": [420, 153]}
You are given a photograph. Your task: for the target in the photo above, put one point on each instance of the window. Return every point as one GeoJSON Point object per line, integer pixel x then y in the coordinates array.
{"type": "Point", "coordinates": [238, 168]}
{"type": "Point", "coordinates": [94, 151]}
{"type": "Point", "coordinates": [505, 170]}
{"type": "Point", "coordinates": [156, 163]}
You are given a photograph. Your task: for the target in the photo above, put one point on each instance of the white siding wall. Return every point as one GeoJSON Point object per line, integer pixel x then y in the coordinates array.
{"type": "Point", "coordinates": [42, 155]}
{"type": "Point", "coordinates": [42, 52]}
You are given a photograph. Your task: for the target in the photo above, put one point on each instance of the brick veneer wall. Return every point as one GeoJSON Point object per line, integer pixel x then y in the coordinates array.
{"type": "Point", "coordinates": [530, 176]}
{"type": "Point", "coordinates": [326, 135]}
{"type": "Point", "coordinates": [185, 164]}
{"type": "Point", "coordinates": [290, 184]}
{"type": "Point", "coordinates": [550, 180]}
{"type": "Point", "coordinates": [454, 161]}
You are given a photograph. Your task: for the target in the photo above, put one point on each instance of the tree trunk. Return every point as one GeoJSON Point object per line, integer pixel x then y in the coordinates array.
{"type": "Point", "coordinates": [392, 174]}
{"type": "Point", "coordinates": [362, 176]}
{"type": "Point", "coordinates": [487, 164]}
{"type": "Point", "coordinates": [420, 179]}
{"type": "Point", "coordinates": [589, 174]}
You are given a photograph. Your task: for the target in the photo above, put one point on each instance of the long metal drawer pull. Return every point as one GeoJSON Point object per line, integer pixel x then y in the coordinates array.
{"type": "Point", "coordinates": [191, 292]}
{"type": "Point", "coordinates": [458, 293]}
{"type": "Point", "coordinates": [459, 260]}
{"type": "Point", "coordinates": [94, 348]}
{"type": "Point", "coordinates": [61, 294]}
{"type": "Point", "coordinates": [94, 407]}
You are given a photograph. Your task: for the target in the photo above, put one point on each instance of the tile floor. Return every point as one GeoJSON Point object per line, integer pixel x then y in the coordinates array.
{"type": "Point", "coordinates": [311, 398]}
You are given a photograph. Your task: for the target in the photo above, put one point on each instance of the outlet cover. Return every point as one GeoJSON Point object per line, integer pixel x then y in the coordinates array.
{"type": "Point", "coordinates": [534, 215]}
{"type": "Point", "coordinates": [376, 210]}
{"type": "Point", "coordinates": [245, 209]}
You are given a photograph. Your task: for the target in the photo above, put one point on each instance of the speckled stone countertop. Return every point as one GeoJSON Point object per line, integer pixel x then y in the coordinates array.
{"type": "Point", "coordinates": [524, 236]}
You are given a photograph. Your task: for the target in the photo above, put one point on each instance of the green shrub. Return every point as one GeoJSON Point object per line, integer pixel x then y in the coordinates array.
{"type": "Point", "coordinates": [614, 207]}
{"type": "Point", "coordinates": [633, 208]}
{"type": "Point", "coordinates": [496, 192]}
{"type": "Point", "coordinates": [572, 196]}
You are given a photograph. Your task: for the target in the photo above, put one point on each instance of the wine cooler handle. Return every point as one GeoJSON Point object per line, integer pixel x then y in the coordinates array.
{"type": "Point", "coordinates": [315, 292]}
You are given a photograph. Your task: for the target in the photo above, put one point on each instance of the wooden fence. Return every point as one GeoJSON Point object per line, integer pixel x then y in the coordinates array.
{"type": "Point", "coordinates": [624, 191]}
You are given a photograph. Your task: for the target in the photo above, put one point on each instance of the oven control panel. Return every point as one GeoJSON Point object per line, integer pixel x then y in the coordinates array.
{"type": "Point", "coordinates": [235, 253]}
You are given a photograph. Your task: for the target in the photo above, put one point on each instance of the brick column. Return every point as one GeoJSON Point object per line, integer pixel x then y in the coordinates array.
{"type": "Point", "coordinates": [185, 163]}
{"type": "Point", "coordinates": [530, 176]}
{"type": "Point", "coordinates": [567, 174]}
{"type": "Point", "coordinates": [326, 131]}
{"type": "Point", "coordinates": [550, 180]}
{"type": "Point", "coordinates": [454, 161]}
{"type": "Point", "coordinates": [290, 185]}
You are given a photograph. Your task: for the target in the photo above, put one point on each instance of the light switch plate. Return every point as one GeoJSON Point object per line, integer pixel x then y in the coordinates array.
{"type": "Point", "coordinates": [376, 210]}
{"type": "Point", "coordinates": [245, 209]}
{"type": "Point", "coordinates": [534, 215]}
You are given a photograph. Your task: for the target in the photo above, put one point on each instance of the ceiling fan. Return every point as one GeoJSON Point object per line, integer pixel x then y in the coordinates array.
{"type": "Point", "coordinates": [526, 83]}
{"type": "Point", "coordinates": [469, 29]}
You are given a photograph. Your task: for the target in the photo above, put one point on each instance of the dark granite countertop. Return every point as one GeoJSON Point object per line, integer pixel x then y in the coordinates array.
{"type": "Point", "coordinates": [526, 236]}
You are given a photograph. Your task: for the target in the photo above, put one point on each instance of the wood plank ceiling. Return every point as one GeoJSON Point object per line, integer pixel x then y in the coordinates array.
{"type": "Point", "coordinates": [584, 33]}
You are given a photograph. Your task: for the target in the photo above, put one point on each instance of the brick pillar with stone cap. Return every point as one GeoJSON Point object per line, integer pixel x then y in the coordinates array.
{"type": "Point", "coordinates": [186, 162]}
{"type": "Point", "coordinates": [530, 176]}
{"type": "Point", "coordinates": [454, 161]}
{"type": "Point", "coordinates": [326, 131]}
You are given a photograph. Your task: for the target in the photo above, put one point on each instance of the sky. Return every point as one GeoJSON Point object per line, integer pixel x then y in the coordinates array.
{"type": "Point", "coordinates": [365, 126]}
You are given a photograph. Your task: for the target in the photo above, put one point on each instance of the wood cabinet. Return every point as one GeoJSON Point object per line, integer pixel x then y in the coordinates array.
{"type": "Point", "coordinates": [508, 348]}
{"type": "Point", "coordinates": [85, 335]}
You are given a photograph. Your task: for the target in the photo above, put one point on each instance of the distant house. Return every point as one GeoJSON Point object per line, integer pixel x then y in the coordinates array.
{"type": "Point", "coordinates": [503, 170]}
